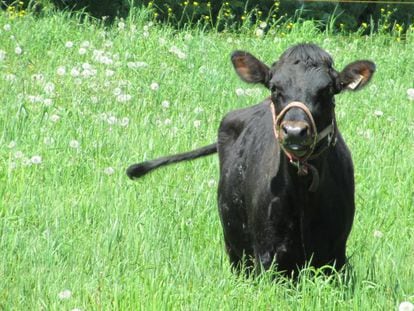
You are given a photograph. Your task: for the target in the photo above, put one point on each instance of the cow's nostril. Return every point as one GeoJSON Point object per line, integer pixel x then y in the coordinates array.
{"type": "Point", "coordinates": [285, 129]}
{"type": "Point", "coordinates": [303, 131]}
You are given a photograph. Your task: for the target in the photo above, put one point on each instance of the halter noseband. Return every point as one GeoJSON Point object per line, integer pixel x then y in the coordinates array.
{"type": "Point", "coordinates": [301, 162]}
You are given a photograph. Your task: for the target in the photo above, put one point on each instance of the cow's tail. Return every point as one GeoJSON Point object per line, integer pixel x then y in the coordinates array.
{"type": "Point", "coordinates": [140, 169]}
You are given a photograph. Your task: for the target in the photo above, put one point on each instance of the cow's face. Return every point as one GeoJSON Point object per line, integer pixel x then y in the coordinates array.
{"type": "Point", "coordinates": [305, 77]}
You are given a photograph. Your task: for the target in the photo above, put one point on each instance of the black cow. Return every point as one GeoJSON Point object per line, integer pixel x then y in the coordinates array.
{"type": "Point", "coordinates": [286, 190]}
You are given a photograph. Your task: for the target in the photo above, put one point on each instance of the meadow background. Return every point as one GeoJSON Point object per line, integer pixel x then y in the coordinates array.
{"type": "Point", "coordinates": [80, 101]}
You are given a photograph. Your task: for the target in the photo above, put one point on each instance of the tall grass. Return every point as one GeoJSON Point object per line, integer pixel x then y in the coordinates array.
{"type": "Point", "coordinates": [80, 102]}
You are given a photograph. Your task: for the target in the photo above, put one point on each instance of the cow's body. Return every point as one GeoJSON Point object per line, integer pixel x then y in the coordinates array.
{"type": "Point", "coordinates": [286, 190]}
{"type": "Point", "coordinates": [266, 210]}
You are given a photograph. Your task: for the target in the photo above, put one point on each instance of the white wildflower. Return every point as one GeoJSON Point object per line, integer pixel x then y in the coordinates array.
{"type": "Point", "coordinates": [48, 141]}
{"type": "Point", "coordinates": [259, 32]}
{"type": "Point", "coordinates": [69, 44]}
{"type": "Point", "coordinates": [109, 73]}
{"type": "Point", "coordinates": [2, 55]}
{"type": "Point", "coordinates": [154, 86]}
{"type": "Point", "coordinates": [94, 99]}
{"type": "Point", "coordinates": [66, 294]}
{"type": "Point", "coordinates": [197, 123]}
{"type": "Point", "coordinates": [82, 51]}
{"type": "Point", "coordinates": [167, 121]}
{"type": "Point", "coordinates": [12, 144]}
{"type": "Point", "coordinates": [54, 118]}
{"type": "Point", "coordinates": [122, 98]}
{"type": "Point", "coordinates": [75, 72]}
{"type": "Point", "coordinates": [7, 27]}
{"type": "Point", "coordinates": [136, 65]}
{"type": "Point", "coordinates": [263, 25]}
{"type": "Point", "coordinates": [47, 102]}
{"type": "Point", "coordinates": [410, 93]}
{"type": "Point", "coordinates": [85, 44]}
{"type": "Point", "coordinates": [165, 104]}
{"type": "Point", "coordinates": [49, 88]}
{"type": "Point", "coordinates": [36, 159]}
{"type": "Point", "coordinates": [240, 92]}
{"type": "Point", "coordinates": [145, 34]}
{"type": "Point", "coordinates": [124, 121]}
{"type": "Point", "coordinates": [162, 41]}
{"type": "Point", "coordinates": [188, 37]}
{"type": "Point", "coordinates": [378, 113]}
{"type": "Point", "coordinates": [211, 183]}
{"type": "Point", "coordinates": [10, 77]}
{"type": "Point", "coordinates": [61, 71]}
{"type": "Point", "coordinates": [378, 234]}
{"type": "Point", "coordinates": [111, 120]}
{"type": "Point", "coordinates": [109, 170]}
{"type": "Point", "coordinates": [74, 144]}
{"type": "Point", "coordinates": [117, 91]}
{"type": "Point", "coordinates": [18, 154]}
{"type": "Point", "coordinates": [198, 110]}
{"type": "Point", "coordinates": [406, 306]}
{"type": "Point", "coordinates": [18, 50]}
{"type": "Point", "coordinates": [121, 25]}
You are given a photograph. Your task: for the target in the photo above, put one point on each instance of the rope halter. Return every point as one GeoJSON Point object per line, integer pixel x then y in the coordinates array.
{"type": "Point", "coordinates": [301, 162]}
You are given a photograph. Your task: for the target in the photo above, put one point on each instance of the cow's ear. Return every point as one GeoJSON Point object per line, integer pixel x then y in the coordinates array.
{"type": "Point", "coordinates": [356, 75]}
{"type": "Point", "coordinates": [249, 68]}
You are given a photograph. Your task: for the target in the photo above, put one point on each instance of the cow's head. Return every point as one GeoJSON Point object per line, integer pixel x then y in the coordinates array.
{"type": "Point", "coordinates": [303, 84]}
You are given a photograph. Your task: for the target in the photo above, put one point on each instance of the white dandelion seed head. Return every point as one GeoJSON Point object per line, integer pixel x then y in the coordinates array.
{"type": "Point", "coordinates": [94, 99]}
{"type": "Point", "coordinates": [167, 121]}
{"type": "Point", "coordinates": [162, 41]}
{"type": "Point", "coordinates": [154, 86]}
{"type": "Point", "coordinates": [197, 123]}
{"type": "Point", "coordinates": [74, 144]}
{"type": "Point", "coordinates": [137, 65]}
{"type": "Point", "coordinates": [121, 25]}
{"type": "Point", "coordinates": [48, 141]}
{"type": "Point", "coordinates": [18, 50]}
{"type": "Point", "coordinates": [109, 170]}
{"type": "Point", "coordinates": [378, 113]}
{"type": "Point", "coordinates": [48, 102]}
{"type": "Point", "coordinates": [406, 306]}
{"type": "Point", "coordinates": [117, 91]}
{"type": "Point", "coordinates": [111, 120]}
{"type": "Point", "coordinates": [124, 121]}
{"type": "Point", "coordinates": [61, 70]}
{"type": "Point", "coordinates": [2, 55]}
{"type": "Point", "coordinates": [123, 98]}
{"type": "Point", "coordinates": [7, 27]}
{"type": "Point", "coordinates": [82, 51]}
{"type": "Point", "coordinates": [378, 234]}
{"type": "Point", "coordinates": [211, 183]}
{"type": "Point", "coordinates": [10, 77]}
{"type": "Point", "coordinates": [36, 159]}
{"type": "Point", "coordinates": [12, 144]}
{"type": "Point", "coordinates": [54, 118]}
{"type": "Point", "coordinates": [229, 40]}
{"type": "Point", "coordinates": [65, 294]}
{"type": "Point", "coordinates": [240, 92]}
{"type": "Point", "coordinates": [75, 72]}
{"type": "Point", "coordinates": [85, 44]}
{"type": "Point", "coordinates": [18, 155]}
{"type": "Point", "coordinates": [410, 94]}
{"type": "Point", "coordinates": [198, 110]}
{"type": "Point", "coordinates": [69, 44]}
{"type": "Point", "coordinates": [263, 25]}
{"type": "Point", "coordinates": [165, 104]}
{"type": "Point", "coordinates": [145, 34]}
{"type": "Point", "coordinates": [49, 88]}
{"type": "Point", "coordinates": [259, 32]}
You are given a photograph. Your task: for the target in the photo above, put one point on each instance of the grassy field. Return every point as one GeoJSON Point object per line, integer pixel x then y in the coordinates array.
{"type": "Point", "coordinates": [81, 102]}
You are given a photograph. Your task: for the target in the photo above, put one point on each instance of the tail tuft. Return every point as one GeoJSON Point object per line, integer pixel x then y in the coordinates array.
{"type": "Point", "coordinates": [138, 170]}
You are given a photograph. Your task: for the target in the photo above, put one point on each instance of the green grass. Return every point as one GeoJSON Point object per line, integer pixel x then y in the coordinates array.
{"type": "Point", "coordinates": [156, 244]}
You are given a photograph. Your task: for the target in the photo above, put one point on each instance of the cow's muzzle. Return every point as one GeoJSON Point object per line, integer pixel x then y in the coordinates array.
{"type": "Point", "coordinates": [297, 138]}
